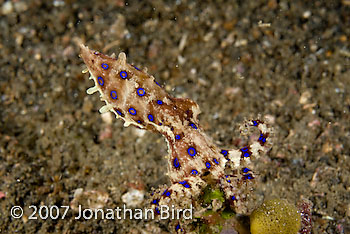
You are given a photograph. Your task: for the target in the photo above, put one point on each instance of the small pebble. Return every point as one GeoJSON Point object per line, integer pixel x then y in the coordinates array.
{"type": "Point", "coordinates": [133, 198]}
{"type": "Point", "coordinates": [7, 8]}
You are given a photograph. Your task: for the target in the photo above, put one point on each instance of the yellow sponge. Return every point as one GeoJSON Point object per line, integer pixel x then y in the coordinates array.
{"type": "Point", "coordinates": [275, 217]}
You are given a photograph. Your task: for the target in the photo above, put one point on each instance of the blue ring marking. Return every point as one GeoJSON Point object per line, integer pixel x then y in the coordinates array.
{"type": "Point", "coordinates": [157, 210]}
{"type": "Point", "coordinates": [104, 66]}
{"type": "Point", "coordinates": [208, 165]}
{"type": "Point", "coordinates": [255, 123]}
{"type": "Point", "coordinates": [100, 81]}
{"type": "Point", "coordinates": [185, 184]}
{"type": "Point", "coordinates": [119, 113]}
{"type": "Point", "coordinates": [194, 172]}
{"type": "Point", "coordinates": [193, 125]}
{"type": "Point", "coordinates": [150, 117]}
{"type": "Point", "coordinates": [216, 161]}
{"type": "Point", "coordinates": [155, 201]}
{"type": "Point", "coordinates": [246, 152]}
{"type": "Point", "coordinates": [166, 193]}
{"type": "Point", "coordinates": [159, 102]}
{"type": "Point", "coordinates": [176, 163]}
{"type": "Point", "coordinates": [141, 92]}
{"type": "Point", "coordinates": [191, 151]}
{"type": "Point", "coordinates": [244, 149]}
{"type": "Point", "coordinates": [246, 155]}
{"type": "Point", "coordinates": [177, 137]}
{"type": "Point", "coordinates": [132, 111]}
{"type": "Point", "coordinates": [224, 152]}
{"type": "Point", "coordinates": [262, 138]}
{"type": "Point", "coordinates": [233, 198]}
{"type": "Point", "coordinates": [245, 170]}
{"type": "Point", "coordinates": [114, 94]}
{"type": "Point", "coordinates": [123, 74]}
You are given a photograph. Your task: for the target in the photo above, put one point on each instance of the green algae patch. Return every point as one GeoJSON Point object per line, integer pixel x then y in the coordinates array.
{"type": "Point", "coordinates": [210, 195]}
{"type": "Point", "coordinates": [228, 214]}
{"type": "Point", "coordinates": [275, 217]}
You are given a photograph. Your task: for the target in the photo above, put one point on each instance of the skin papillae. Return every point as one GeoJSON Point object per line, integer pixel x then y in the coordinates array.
{"type": "Point", "coordinates": [194, 161]}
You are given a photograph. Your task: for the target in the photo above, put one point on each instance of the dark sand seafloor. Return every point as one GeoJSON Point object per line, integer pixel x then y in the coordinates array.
{"type": "Point", "coordinates": [288, 61]}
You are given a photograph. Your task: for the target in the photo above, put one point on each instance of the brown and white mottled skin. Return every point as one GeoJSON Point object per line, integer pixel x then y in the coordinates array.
{"type": "Point", "coordinates": [194, 160]}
